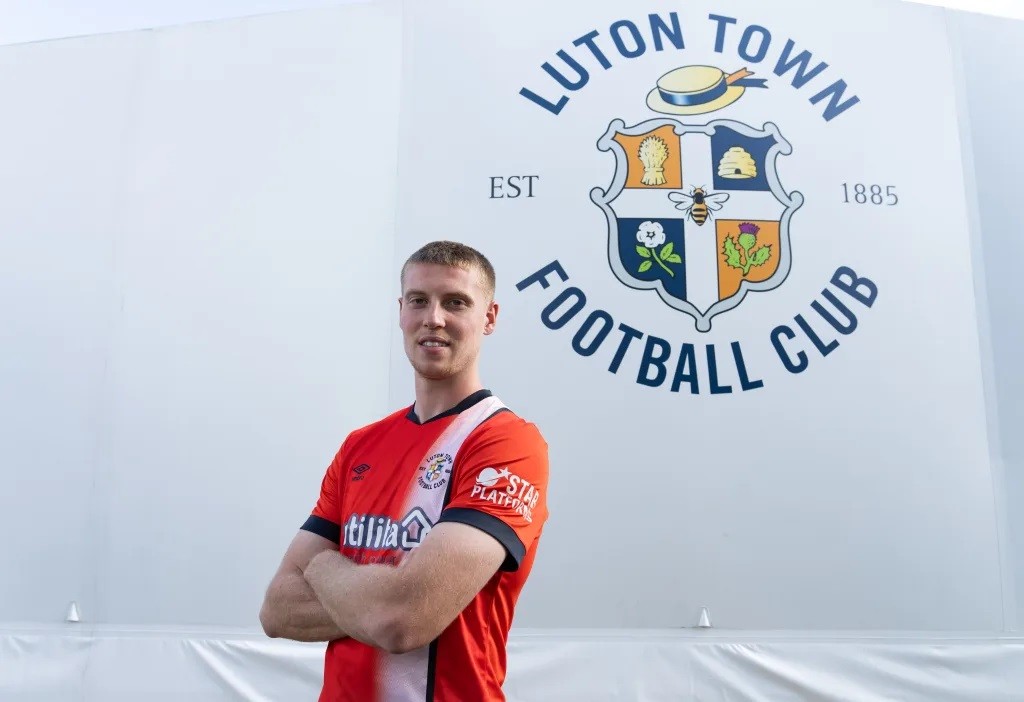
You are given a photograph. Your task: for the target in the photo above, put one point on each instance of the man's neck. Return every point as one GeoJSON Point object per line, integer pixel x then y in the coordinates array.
{"type": "Point", "coordinates": [436, 396]}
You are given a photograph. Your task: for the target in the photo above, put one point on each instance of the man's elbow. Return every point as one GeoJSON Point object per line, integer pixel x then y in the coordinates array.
{"type": "Point", "coordinates": [270, 622]}
{"type": "Point", "coordinates": [401, 632]}
{"type": "Point", "coordinates": [400, 641]}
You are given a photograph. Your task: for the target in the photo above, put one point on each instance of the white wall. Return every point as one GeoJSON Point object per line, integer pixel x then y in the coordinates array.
{"type": "Point", "coordinates": [197, 272]}
{"type": "Point", "coordinates": [854, 496]}
{"type": "Point", "coordinates": [63, 176]}
{"type": "Point", "coordinates": [203, 307]}
{"type": "Point", "coordinates": [995, 110]}
{"type": "Point", "coordinates": [59, 19]}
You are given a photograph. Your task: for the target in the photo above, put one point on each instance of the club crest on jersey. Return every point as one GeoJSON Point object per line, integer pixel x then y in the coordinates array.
{"type": "Point", "coordinates": [435, 471]}
{"type": "Point", "coordinates": [696, 213]}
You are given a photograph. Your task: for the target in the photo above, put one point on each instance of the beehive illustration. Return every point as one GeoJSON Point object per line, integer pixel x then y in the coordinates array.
{"type": "Point", "coordinates": [737, 164]}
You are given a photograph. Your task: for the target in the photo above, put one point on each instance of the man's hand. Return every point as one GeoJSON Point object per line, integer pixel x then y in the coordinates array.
{"type": "Point", "coordinates": [290, 608]}
{"type": "Point", "coordinates": [403, 608]}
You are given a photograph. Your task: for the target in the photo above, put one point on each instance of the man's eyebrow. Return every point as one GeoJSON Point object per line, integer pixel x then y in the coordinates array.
{"type": "Point", "coordinates": [449, 294]}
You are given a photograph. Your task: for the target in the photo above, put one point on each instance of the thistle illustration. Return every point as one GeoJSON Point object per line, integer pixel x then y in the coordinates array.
{"type": "Point", "coordinates": [651, 236]}
{"type": "Point", "coordinates": [653, 153]}
{"type": "Point", "coordinates": [740, 253]}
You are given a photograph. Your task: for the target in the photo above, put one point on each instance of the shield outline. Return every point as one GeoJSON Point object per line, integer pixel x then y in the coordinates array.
{"type": "Point", "coordinates": [603, 198]}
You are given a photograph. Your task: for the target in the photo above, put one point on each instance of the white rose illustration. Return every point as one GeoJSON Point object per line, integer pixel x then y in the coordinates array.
{"type": "Point", "coordinates": [651, 234]}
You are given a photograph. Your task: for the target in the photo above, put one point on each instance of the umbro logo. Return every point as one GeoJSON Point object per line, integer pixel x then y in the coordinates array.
{"type": "Point", "coordinates": [359, 472]}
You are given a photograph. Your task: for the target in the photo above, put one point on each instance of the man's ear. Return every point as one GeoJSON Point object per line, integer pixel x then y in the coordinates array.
{"type": "Point", "coordinates": [492, 317]}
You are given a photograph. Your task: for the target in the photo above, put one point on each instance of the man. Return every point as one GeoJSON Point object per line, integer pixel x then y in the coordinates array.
{"type": "Point", "coordinates": [428, 520]}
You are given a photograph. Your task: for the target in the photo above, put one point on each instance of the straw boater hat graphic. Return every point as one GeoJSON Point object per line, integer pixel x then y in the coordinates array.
{"type": "Point", "coordinates": [695, 90]}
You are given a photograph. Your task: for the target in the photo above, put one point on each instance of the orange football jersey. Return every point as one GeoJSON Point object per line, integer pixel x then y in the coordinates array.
{"type": "Point", "coordinates": [388, 485]}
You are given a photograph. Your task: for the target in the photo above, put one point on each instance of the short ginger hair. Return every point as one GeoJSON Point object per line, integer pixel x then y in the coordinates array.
{"type": "Point", "coordinates": [456, 255]}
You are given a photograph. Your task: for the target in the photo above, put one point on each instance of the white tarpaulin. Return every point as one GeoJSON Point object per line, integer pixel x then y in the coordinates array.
{"type": "Point", "coordinates": [595, 666]}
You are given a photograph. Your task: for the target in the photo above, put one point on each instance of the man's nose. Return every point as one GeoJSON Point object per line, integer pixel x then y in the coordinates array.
{"type": "Point", "coordinates": [434, 316]}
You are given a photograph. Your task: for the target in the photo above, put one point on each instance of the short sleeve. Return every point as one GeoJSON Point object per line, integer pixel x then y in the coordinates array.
{"type": "Point", "coordinates": [325, 520]}
{"type": "Point", "coordinates": [500, 485]}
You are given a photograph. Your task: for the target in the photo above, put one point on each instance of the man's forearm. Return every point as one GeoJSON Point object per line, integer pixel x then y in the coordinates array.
{"type": "Point", "coordinates": [359, 598]}
{"type": "Point", "coordinates": [293, 611]}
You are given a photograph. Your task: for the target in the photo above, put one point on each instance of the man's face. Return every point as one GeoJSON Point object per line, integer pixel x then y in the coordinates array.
{"type": "Point", "coordinates": [444, 313]}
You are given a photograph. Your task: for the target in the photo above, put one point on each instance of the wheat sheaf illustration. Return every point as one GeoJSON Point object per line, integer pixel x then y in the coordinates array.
{"type": "Point", "coordinates": [653, 154]}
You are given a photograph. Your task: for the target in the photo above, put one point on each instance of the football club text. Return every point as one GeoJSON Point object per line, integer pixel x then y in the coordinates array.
{"type": "Point", "coordinates": [701, 368]}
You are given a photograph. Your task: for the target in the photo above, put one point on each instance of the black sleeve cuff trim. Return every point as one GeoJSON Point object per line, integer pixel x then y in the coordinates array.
{"type": "Point", "coordinates": [323, 527]}
{"type": "Point", "coordinates": [490, 524]}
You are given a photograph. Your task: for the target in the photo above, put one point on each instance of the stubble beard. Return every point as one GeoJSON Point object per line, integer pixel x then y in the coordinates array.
{"type": "Point", "coordinates": [434, 370]}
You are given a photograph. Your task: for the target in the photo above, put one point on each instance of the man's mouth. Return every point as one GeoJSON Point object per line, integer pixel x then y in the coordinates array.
{"type": "Point", "coordinates": [433, 343]}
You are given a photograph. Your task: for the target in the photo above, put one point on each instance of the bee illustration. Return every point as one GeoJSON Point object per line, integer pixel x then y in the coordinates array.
{"type": "Point", "coordinates": [699, 203]}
